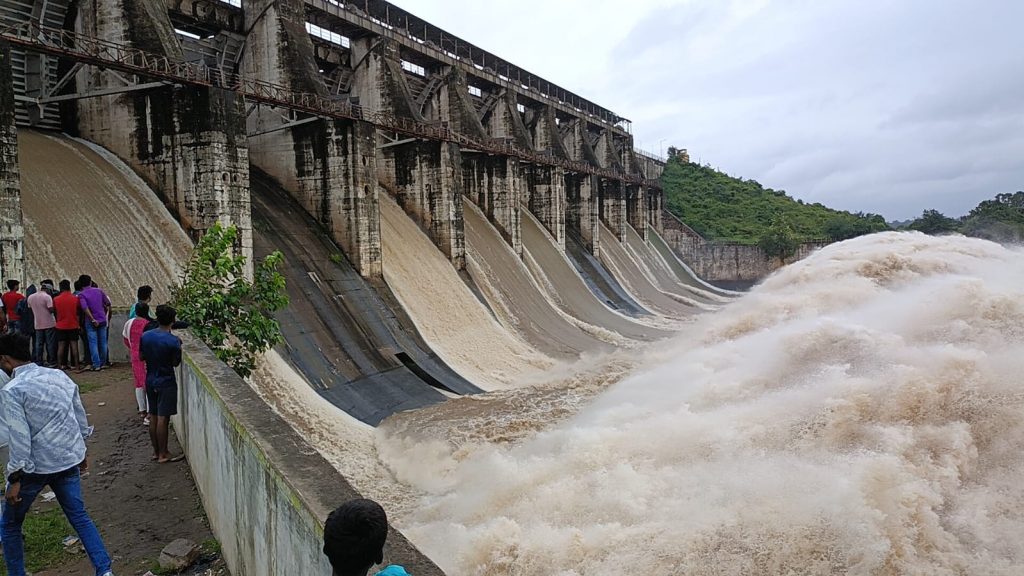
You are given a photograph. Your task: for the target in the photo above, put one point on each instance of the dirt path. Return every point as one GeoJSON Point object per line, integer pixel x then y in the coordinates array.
{"type": "Point", "coordinates": [138, 505]}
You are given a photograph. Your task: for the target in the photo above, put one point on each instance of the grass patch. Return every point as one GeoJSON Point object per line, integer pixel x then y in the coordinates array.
{"type": "Point", "coordinates": [211, 546]}
{"type": "Point", "coordinates": [86, 387]}
{"type": "Point", "coordinates": [44, 536]}
{"type": "Point", "coordinates": [337, 258]}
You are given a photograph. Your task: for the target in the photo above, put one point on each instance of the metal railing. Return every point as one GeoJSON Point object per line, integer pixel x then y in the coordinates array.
{"type": "Point", "coordinates": [104, 53]}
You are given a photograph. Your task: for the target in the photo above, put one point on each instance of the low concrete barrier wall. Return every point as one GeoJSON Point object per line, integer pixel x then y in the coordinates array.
{"type": "Point", "coordinates": [266, 491]}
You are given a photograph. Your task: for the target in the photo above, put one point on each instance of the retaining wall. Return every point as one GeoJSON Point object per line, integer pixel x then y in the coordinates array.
{"type": "Point", "coordinates": [266, 491]}
{"type": "Point", "coordinates": [731, 262]}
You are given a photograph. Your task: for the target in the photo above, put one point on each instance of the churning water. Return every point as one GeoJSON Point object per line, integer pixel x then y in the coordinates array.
{"type": "Point", "coordinates": [860, 412]}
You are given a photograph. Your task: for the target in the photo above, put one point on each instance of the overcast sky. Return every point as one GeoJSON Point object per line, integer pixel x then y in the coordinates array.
{"type": "Point", "coordinates": [886, 106]}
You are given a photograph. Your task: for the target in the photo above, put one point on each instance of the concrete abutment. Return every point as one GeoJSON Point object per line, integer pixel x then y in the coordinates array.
{"type": "Point", "coordinates": [12, 231]}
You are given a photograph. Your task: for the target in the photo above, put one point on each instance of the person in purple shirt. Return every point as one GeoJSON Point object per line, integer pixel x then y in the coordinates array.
{"type": "Point", "coordinates": [96, 306]}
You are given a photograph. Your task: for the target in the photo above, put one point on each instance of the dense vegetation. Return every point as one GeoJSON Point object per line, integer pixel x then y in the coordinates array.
{"type": "Point", "coordinates": [1000, 219]}
{"type": "Point", "coordinates": [727, 209]}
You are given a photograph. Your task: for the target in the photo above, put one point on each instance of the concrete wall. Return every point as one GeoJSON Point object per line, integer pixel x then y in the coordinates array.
{"type": "Point", "coordinates": [12, 232]}
{"type": "Point", "coordinates": [732, 262]}
{"type": "Point", "coordinates": [266, 492]}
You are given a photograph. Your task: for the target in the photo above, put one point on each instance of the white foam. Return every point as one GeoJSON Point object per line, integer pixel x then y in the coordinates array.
{"type": "Point", "coordinates": [860, 412]}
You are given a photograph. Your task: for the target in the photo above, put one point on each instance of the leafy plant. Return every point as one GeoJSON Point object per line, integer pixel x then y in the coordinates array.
{"type": "Point", "coordinates": [232, 315]}
{"type": "Point", "coordinates": [779, 241]}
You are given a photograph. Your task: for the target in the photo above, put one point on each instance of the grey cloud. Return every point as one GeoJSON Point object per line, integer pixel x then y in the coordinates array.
{"type": "Point", "coordinates": [882, 107]}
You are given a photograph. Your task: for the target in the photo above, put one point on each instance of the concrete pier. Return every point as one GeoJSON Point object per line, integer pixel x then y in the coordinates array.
{"type": "Point", "coordinates": [581, 216]}
{"type": "Point", "coordinates": [188, 143]}
{"type": "Point", "coordinates": [636, 208]}
{"type": "Point", "coordinates": [329, 166]}
{"type": "Point", "coordinates": [428, 183]}
{"type": "Point", "coordinates": [12, 231]}
{"type": "Point", "coordinates": [612, 207]}
{"type": "Point", "coordinates": [496, 185]}
{"type": "Point", "coordinates": [545, 197]}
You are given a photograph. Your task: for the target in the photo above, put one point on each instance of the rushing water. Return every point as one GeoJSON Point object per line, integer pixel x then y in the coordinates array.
{"type": "Point", "coordinates": [93, 215]}
{"type": "Point", "coordinates": [860, 412]}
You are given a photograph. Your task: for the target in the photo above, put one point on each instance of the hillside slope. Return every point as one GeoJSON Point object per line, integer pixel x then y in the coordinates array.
{"type": "Point", "coordinates": [727, 209]}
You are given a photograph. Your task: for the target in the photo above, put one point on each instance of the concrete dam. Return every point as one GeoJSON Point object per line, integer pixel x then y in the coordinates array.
{"type": "Point", "coordinates": [460, 235]}
{"type": "Point", "coordinates": [488, 331]}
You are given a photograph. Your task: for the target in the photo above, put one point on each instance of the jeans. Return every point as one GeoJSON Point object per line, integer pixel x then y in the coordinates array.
{"type": "Point", "coordinates": [14, 326]}
{"type": "Point", "coordinates": [46, 341]}
{"type": "Point", "coordinates": [97, 336]}
{"type": "Point", "coordinates": [67, 486]}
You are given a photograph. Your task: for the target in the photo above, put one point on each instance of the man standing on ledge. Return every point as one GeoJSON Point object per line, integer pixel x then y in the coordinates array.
{"type": "Point", "coordinates": [47, 429]}
{"type": "Point", "coordinates": [161, 351]}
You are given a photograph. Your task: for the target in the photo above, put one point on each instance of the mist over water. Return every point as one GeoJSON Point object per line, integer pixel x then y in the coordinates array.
{"type": "Point", "coordinates": [860, 412]}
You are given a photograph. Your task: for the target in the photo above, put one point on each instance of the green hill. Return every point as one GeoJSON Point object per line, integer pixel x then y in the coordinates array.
{"type": "Point", "coordinates": [727, 209]}
{"type": "Point", "coordinates": [1000, 220]}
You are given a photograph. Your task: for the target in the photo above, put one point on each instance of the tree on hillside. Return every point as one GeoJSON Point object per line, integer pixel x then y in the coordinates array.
{"type": "Point", "coordinates": [779, 241]}
{"type": "Point", "coordinates": [999, 220]}
{"type": "Point", "coordinates": [232, 315]}
{"type": "Point", "coordinates": [934, 222]}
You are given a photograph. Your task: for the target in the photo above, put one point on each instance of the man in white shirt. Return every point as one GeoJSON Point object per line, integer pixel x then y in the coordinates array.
{"type": "Point", "coordinates": [46, 428]}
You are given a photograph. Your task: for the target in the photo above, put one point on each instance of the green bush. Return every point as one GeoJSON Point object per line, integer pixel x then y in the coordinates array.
{"type": "Point", "coordinates": [232, 315]}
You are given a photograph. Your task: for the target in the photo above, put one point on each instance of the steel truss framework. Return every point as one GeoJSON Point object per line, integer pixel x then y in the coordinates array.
{"type": "Point", "coordinates": [109, 55]}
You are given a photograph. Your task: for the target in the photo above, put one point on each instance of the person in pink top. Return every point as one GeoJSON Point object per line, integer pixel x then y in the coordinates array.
{"type": "Point", "coordinates": [132, 334]}
{"type": "Point", "coordinates": [41, 304]}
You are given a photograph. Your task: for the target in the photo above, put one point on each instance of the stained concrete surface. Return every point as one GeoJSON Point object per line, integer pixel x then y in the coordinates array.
{"type": "Point", "coordinates": [338, 333]}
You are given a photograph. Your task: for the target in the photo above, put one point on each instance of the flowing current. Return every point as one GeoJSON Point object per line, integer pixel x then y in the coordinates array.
{"type": "Point", "coordinates": [860, 412]}
{"type": "Point", "coordinates": [93, 215]}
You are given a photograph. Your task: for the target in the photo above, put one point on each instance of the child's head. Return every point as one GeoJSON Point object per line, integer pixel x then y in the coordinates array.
{"type": "Point", "coordinates": [354, 537]}
{"type": "Point", "coordinates": [144, 293]}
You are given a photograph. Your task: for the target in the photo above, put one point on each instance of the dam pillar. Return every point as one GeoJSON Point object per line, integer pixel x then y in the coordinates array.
{"type": "Point", "coordinates": [545, 197]}
{"type": "Point", "coordinates": [547, 137]}
{"type": "Point", "coordinates": [636, 209]}
{"type": "Point", "coordinates": [506, 123]}
{"type": "Point", "coordinates": [495, 184]}
{"type": "Point", "coordinates": [328, 166]}
{"type": "Point", "coordinates": [655, 199]}
{"type": "Point", "coordinates": [612, 207]}
{"type": "Point", "coordinates": [12, 231]}
{"type": "Point", "coordinates": [189, 144]}
{"type": "Point", "coordinates": [426, 179]}
{"type": "Point", "coordinates": [581, 213]}
{"type": "Point", "coordinates": [378, 83]}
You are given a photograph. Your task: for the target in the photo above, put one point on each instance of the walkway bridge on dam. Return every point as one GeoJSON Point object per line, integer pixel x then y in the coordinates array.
{"type": "Point", "coordinates": [333, 104]}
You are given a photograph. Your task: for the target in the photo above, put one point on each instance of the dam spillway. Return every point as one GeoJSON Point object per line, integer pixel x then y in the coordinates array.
{"type": "Point", "coordinates": [488, 332]}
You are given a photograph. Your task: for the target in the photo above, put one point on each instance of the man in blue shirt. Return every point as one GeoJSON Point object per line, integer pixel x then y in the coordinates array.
{"type": "Point", "coordinates": [161, 351]}
{"type": "Point", "coordinates": [354, 537]}
{"type": "Point", "coordinates": [46, 428]}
